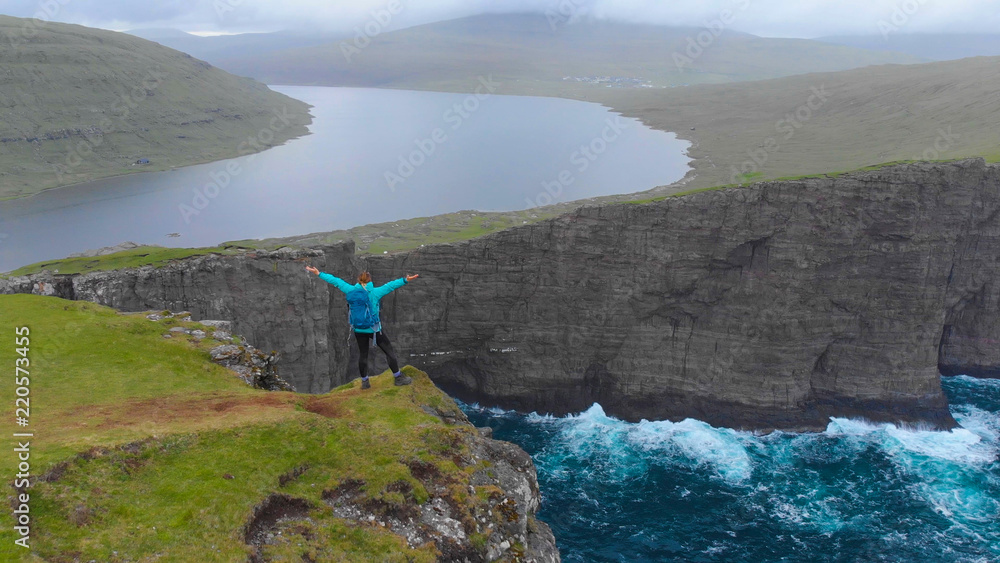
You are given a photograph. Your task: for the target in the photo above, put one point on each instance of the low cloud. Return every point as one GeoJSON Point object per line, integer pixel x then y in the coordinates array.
{"type": "Point", "coordinates": [774, 18]}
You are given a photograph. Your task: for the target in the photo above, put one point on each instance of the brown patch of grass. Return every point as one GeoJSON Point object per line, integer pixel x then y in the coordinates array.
{"type": "Point", "coordinates": [328, 406]}
{"type": "Point", "coordinates": [80, 516]}
{"type": "Point", "coordinates": [54, 473]}
{"type": "Point", "coordinates": [266, 515]}
{"type": "Point", "coordinates": [423, 471]}
{"type": "Point", "coordinates": [292, 475]}
{"type": "Point", "coordinates": [171, 409]}
{"type": "Point", "coordinates": [130, 420]}
{"type": "Point", "coordinates": [347, 489]}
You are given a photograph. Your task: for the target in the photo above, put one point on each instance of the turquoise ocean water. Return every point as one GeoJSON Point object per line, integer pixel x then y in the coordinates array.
{"type": "Point", "coordinates": [688, 492]}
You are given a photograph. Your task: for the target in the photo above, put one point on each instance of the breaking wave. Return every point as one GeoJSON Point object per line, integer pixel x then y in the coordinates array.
{"type": "Point", "coordinates": [687, 491]}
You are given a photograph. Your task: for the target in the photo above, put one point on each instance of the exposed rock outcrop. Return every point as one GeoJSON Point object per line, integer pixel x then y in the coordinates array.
{"type": "Point", "coordinates": [501, 528]}
{"type": "Point", "coordinates": [775, 305]}
{"type": "Point", "coordinates": [254, 367]}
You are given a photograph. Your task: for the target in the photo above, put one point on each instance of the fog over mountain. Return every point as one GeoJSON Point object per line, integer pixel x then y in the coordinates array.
{"type": "Point", "coordinates": [775, 18]}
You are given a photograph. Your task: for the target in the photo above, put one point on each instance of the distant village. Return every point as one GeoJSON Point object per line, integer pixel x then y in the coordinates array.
{"type": "Point", "coordinates": [612, 81]}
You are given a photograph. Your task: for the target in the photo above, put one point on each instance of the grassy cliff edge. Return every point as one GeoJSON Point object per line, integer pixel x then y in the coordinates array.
{"type": "Point", "coordinates": [143, 448]}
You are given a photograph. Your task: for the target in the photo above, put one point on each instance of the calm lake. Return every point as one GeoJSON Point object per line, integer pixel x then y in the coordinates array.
{"type": "Point", "coordinates": [373, 156]}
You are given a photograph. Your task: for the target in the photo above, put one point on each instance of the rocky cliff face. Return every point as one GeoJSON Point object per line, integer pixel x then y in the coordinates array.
{"type": "Point", "coordinates": [270, 299]}
{"type": "Point", "coordinates": [775, 305]}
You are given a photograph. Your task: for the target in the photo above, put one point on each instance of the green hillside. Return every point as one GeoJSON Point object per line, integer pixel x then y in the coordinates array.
{"type": "Point", "coordinates": [78, 104]}
{"type": "Point", "coordinates": [143, 449]}
{"type": "Point", "coordinates": [529, 54]}
{"type": "Point", "coordinates": [829, 122]}
{"type": "Point", "coordinates": [931, 46]}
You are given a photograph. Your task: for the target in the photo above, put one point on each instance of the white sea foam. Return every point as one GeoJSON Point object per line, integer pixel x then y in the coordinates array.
{"type": "Point", "coordinates": [976, 381]}
{"type": "Point", "coordinates": [493, 411]}
{"type": "Point", "coordinates": [720, 449]}
{"type": "Point", "coordinates": [983, 423]}
{"type": "Point", "coordinates": [948, 466]}
{"type": "Point", "coordinates": [623, 448]}
{"type": "Point", "coordinates": [959, 445]}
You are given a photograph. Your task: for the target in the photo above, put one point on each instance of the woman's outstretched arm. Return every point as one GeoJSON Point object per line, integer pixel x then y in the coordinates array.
{"type": "Point", "coordinates": [331, 279]}
{"type": "Point", "coordinates": [382, 291]}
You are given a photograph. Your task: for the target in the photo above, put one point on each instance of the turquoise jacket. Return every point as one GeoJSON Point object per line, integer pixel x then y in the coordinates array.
{"type": "Point", "coordinates": [375, 294]}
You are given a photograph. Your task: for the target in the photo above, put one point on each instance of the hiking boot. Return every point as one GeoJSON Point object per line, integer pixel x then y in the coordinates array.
{"type": "Point", "coordinates": [402, 380]}
{"type": "Point", "coordinates": [365, 384]}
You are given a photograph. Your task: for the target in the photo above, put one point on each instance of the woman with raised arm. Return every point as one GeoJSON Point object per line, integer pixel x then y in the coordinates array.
{"type": "Point", "coordinates": [363, 301]}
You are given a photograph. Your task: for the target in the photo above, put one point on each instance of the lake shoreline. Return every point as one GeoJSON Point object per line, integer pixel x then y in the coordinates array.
{"type": "Point", "coordinates": [510, 155]}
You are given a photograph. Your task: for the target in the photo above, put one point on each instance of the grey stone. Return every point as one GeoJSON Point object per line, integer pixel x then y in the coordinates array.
{"type": "Point", "coordinates": [225, 326]}
{"type": "Point", "coordinates": [254, 367]}
{"type": "Point", "coordinates": [224, 352]}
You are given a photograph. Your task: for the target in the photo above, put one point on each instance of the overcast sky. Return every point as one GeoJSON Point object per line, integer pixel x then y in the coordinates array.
{"type": "Point", "coordinates": [773, 18]}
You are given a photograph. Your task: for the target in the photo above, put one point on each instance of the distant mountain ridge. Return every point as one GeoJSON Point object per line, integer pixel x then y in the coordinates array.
{"type": "Point", "coordinates": [219, 49]}
{"type": "Point", "coordinates": [537, 52]}
{"type": "Point", "coordinates": [154, 33]}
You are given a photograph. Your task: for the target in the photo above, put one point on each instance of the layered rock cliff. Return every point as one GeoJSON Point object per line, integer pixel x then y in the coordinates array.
{"type": "Point", "coordinates": [268, 297]}
{"type": "Point", "coordinates": [774, 305]}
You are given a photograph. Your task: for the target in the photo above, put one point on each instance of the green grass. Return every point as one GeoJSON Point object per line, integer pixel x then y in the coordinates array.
{"type": "Point", "coordinates": [758, 175]}
{"type": "Point", "coordinates": [869, 168]}
{"type": "Point", "coordinates": [678, 194]}
{"type": "Point", "coordinates": [132, 258]}
{"type": "Point", "coordinates": [476, 227]}
{"type": "Point", "coordinates": [750, 177]}
{"type": "Point", "coordinates": [157, 453]}
{"type": "Point", "coordinates": [407, 234]}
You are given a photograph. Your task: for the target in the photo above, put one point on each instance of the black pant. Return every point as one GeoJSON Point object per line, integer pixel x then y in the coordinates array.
{"type": "Point", "coordinates": [383, 342]}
